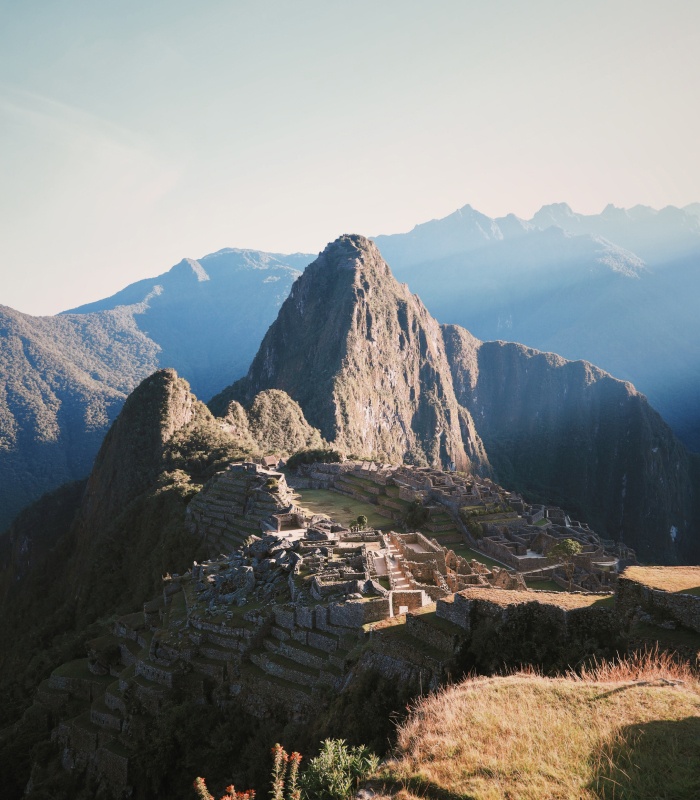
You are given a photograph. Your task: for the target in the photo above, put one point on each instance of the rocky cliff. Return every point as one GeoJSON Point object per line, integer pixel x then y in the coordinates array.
{"type": "Point", "coordinates": [619, 289]}
{"type": "Point", "coordinates": [566, 430]}
{"type": "Point", "coordinates": [366, 363]}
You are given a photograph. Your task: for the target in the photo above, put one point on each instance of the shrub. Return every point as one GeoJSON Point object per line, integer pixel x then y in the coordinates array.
{"type": "Point", "coordinates": [337, 770]}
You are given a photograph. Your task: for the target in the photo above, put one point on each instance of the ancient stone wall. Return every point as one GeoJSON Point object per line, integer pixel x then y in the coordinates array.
{"type": "Point", "coordinates": [680, 607]}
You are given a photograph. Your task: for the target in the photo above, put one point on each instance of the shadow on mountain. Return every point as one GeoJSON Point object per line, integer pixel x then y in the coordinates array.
{"type": "Point", "coordinates": [630, 766]}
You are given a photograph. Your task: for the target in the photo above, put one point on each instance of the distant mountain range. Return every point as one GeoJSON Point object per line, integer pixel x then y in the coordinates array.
{"type": "Point", "coordinates": [619, 289]}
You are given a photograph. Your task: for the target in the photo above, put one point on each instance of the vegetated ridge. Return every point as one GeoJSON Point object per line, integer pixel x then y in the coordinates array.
{"type": "Point", "coordinates": [62, 382]}
{"type": "Point", "coordinates": [101, 547]}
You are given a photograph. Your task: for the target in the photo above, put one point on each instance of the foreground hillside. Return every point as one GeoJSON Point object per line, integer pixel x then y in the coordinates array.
{"type": "Point", "coordinates": [626, 732]}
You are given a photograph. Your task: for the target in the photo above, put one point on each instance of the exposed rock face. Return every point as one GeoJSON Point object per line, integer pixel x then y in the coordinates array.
{"type": "Point", "coordinates": [566, 430]}
{"type": "Point", "coordinates": [618, 289]}
{"type": "Point", "coordinates": [366, 363]}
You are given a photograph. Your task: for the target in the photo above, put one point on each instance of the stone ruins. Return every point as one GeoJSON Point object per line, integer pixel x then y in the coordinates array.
{"type": "Point", "coordinates": [292, 605]}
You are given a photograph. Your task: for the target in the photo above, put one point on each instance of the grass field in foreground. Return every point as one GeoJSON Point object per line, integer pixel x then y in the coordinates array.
{"type": "Point", "coordinates": [626, 733]}
{"type": "Point", "coordinates": [341, 508]}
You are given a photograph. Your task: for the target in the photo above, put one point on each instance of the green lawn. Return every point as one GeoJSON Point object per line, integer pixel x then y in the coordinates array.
{"type": "Point", "coordinates": [341, 508]}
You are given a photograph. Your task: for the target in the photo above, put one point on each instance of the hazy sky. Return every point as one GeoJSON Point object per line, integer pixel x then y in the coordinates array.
{"type": "Point", "coordinates": [136, 133]}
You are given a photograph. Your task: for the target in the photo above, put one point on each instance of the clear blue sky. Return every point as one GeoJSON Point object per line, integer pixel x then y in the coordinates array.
{"type": "Point", "coordinates": [136, 133]}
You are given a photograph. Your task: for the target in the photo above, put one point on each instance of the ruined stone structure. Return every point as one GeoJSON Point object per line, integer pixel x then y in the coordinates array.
{"type": "Point", "coordinates": [296, 606]}
{"type": "Point", "coordinates": [471, 510]}
{"type": "Point", "coordinates": [665, 596]}
{"type": "Point", "coordinates": [238, 503]}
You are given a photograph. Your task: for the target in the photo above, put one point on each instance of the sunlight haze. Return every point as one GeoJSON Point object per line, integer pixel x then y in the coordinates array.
{"type": "Point", "coordinates": [136, 134]}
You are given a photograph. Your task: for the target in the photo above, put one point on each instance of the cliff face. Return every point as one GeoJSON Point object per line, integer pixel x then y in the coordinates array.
{"type": "Point", "coordinates": [366, 363]}
{"type": "Point", "coordinates": [567, 431]}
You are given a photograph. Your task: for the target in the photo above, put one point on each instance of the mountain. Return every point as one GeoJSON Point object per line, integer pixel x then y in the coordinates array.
{"type": "Point", "coordinates": [62, 382]}
{"type": "Point", "coordinates": [619, 289]}
{"type": "Point", "coordinates": [380, 378]}
{"type": "Point", "coordinates": [366, 363]}
{"type": "Point", "coordinates": [63, 379]}
{"type": "Point", "coordinates": [557, 429]}
{"type": "Point", "coordinates": [207, 317]}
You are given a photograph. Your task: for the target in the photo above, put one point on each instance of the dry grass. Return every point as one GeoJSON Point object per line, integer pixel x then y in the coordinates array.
{"type": "Point", "coordinates": [670, 579]}
{"type": "Point", "coordinates": [565, 600]}
{"type": "Point", "coordinates": [624, 730]}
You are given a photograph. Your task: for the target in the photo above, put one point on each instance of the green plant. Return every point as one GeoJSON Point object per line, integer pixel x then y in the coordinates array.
{"type": "Point", "coordinates": [567, 549]}
{"type": "Point", "coordinates": [318, 455]}
{"type": "Point", "coordinates": [337, 770]}
{"type": "Point", "coordinates": [362, 522]}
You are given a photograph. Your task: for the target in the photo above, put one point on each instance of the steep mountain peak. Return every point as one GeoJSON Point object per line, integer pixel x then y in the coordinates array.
{"type": "Point", "coordinates": [188, 268]}
{"type": "Point", "coordinates": [158, 407]}
{"type": "Point", "coordinates": [352, 251]}
{"type": "Point", "coordinates": [365, 361]}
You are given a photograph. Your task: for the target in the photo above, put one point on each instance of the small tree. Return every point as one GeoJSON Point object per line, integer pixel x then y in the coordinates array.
{"type": "Point", "coordinates": [362, 522]}
{"type": "Point", "coordinates": [567, 549]}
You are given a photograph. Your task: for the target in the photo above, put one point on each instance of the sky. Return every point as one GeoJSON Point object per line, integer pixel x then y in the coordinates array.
{"type": "Point", "coordinates": [133, 134]}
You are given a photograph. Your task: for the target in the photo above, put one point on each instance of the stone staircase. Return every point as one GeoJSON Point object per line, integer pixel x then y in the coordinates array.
{"type": "Point", "coordinates": [397, 577]}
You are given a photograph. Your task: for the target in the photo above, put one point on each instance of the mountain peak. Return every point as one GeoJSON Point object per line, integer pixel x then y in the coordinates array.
{"type": "Point", "coordinates": [365, 361]}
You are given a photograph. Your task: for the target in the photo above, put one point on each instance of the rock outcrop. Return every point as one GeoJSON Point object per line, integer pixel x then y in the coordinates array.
{"type": "Point", "coordinates": [366, 363]}
{"type": "Point", "coordinates": [377, 375]}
